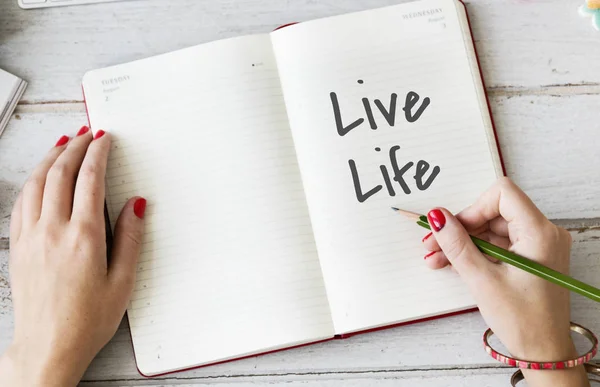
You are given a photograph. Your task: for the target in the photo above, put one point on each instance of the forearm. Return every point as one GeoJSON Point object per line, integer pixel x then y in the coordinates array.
{"type": "Point", "coordinates": [18, 368]}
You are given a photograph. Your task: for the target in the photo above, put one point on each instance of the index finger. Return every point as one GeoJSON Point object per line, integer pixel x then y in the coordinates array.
{"type": "Point", "coordinates": [506, 200]}
{"type": "Point", "coordinates": [88, 202]}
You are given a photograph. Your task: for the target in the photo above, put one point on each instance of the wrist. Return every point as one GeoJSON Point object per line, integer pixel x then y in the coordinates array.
{"type": "Point", "coordinates": [21, 367]}
{"type": "Point", "coordinates": [549, 349]}
{"type": "Point", "coordinates": [554, 350]}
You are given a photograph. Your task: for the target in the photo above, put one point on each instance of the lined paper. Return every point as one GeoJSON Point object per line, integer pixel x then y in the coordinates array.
{"type": "Point", "coordinates": [229, 264]}
{"type": "Point", "coordinates": [372, 259]}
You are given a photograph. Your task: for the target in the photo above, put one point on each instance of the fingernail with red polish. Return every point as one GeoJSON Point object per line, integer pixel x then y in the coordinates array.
{"type": "Point", "coordinates": [437, 220]}
{"type": "Point", "coordinates": [84, 129]}
{"type": "Point", "coordinates": [139, 208]}
{"type": "Point", "coordinates": [429, 255]}
{"type": "Point", "coordinates": [62, 141]}
{"type": "Point", "coordinates": [99, 134]}
{"type": "Point", "coordinates": [426, 237]}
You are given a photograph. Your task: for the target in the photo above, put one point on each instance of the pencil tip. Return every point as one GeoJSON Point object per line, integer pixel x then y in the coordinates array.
{"type": "Point", "coordinates": [408, 214]}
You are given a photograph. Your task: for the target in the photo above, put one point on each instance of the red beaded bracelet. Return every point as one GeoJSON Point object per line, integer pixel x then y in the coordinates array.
{"type": "Point", "coordinates": [545, 365]}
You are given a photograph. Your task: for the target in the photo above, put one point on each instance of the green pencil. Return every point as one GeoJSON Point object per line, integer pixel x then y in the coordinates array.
{"type": "Point", "coordinates": [523, 263]}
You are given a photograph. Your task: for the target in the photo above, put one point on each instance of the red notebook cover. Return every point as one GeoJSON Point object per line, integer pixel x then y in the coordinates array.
{"type": "Point", "coordinates": [342, 336]}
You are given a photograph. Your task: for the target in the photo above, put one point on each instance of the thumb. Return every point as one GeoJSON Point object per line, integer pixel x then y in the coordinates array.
{"type": "Point", "coordinates": [458, 247]}
{"type": "Point", "coordinates": [128, 234]}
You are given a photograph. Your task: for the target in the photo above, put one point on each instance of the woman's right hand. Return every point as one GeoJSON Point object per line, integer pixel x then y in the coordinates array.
{"type": "Point", "coordinates": [530, 316]}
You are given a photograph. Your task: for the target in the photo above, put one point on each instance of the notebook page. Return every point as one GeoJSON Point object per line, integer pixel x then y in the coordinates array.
{"type": "Point", "coordinates": [229, 265]}
{"type": "Point", "coordinates": [372, 259]}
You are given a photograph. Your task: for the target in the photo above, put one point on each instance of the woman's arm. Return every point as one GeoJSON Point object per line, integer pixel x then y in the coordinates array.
{"type": "Point", "coordinates": [531, 316]}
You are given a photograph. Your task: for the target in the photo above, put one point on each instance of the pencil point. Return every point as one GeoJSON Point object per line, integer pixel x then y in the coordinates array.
{"type": "Point", "coordinates": [408, 214]}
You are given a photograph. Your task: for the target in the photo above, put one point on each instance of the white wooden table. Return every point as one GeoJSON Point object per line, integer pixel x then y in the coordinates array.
{"type": "Point", "coordinates": [541, 65]}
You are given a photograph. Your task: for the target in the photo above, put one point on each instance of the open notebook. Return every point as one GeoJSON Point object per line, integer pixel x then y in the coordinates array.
{"type": "Point", "coordinates": [270, 163]}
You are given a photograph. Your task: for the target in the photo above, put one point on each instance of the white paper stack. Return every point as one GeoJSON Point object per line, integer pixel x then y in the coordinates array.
{"type": "Point", "coordinates": [11, 90]}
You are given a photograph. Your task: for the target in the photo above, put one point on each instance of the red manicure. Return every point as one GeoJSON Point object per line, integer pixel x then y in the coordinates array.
{"type": "Point", "coordinates": [139, 208]}
{"type": "Point", "coordinates": [62, 141]}
{"type": "Point", "coordinates": [426, 237]}
{"type": "Point", "coordinates": [99, 134]}
{"type": "Point", "coordinates": [429, 255]}
{"type": "Point", "coordinates": [84, 129]}
{"type": "Point", "coordinates": [437, 220]}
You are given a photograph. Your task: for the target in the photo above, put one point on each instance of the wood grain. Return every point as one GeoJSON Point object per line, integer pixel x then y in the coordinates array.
{"type": "Point", "coordinates": [444, 344]}
{"type": "Point", "coordinates": [521, 44]}
{"type": "Point", "coordinates": [439, 378]}
{"type": "Point", "coordinates": [549, 146]}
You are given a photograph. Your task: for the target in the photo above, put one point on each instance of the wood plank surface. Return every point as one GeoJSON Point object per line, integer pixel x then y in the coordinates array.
{"type": "Point", "coordinates": [521, 43]}
{"type": "Point", "coordinates": [442, 378]}
{"type": "Point", "coordinates": [549, 146]}
{"type": "Point", "coordinates": [444, 344]}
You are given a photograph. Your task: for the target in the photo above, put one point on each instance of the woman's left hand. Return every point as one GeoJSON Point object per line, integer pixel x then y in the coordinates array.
{"type": "Point", "coordinates": [68, 301]}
